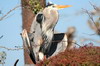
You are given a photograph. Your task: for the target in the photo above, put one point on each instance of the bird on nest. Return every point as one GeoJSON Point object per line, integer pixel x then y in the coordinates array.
{"type": "Point", "coordinates": [39, 40]}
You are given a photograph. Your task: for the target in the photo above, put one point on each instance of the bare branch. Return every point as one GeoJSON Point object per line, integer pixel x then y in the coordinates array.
{"type": "Point", "coordinates": [88, 14]}
{"type": "Point", "coordinates": [88, 39]}
{"type": "Point", "coordinates": [89, 34]}
{"type": "Point", "coordinates": [94, 6]}
{"type": "Point", "coordinates": [92, 19]}
{"type": "Point", "coordinates": [10, 48]}
{"type": "Point", "coordinates": [0, 12]}
{"type": "Point", "coordinates": [96, 10]}
{"type": "Point", "coordinates": [9, 12]}
{"type": "Point", "coordinates": [1, 37]}
{"type": "Point", "coordinates": [77, 44]}
{"type": "Point", "coordinates": [67, 41]}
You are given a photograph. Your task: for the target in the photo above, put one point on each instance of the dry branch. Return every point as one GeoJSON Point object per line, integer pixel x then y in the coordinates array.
{"type": "Point", "coordinates": [10, 48]}
{"type": "Point", "coordinates": [88, 39]}
{"type": "Point", "coordinates": [1, 18]}
{"type": "Point", "coordinates": [96, 10]}
{"type": "Point", "coordinates": [18, 48]}
{"type": "Point", "coordinates": [91, 18]}
{"type": "Point", "coordinates": [1, 37]}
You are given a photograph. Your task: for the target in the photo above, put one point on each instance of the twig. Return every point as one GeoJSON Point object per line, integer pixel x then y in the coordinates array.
{"type": "Point", "coordinates": [67, 41]}
{"type": "Point", "coordinates": [90, 34]}
{"type": "Point", "coordinates": [1, 36]}
{"type": "Point", "coordinates": [91, 19]}
{"type": "Point", "coordinates": [76, 44]}
{"type": "Point", "coordinates": [95, 7]}
{"type": "Point", "coordinates": [86, 39]}
{"type": "Point", "coordinates": [0, 12]}
{"type": "Point", "coordinates": [10, 48]}
{"type": "Point", "coordinates": [8, 12]}
{"type": "Point", "coordinates": [15, 64]}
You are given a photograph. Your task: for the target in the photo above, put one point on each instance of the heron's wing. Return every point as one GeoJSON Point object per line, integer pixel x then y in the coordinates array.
{"type": "Point", "coordinates": [28, 45]}
{"type": "Point", "coordinates": [59, 44]}
{"type": "Point", "coordinates": [36, 37]}
{"type": "Point", "coordinates": [36, 30]}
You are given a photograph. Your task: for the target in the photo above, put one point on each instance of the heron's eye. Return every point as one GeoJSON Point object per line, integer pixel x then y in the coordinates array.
{"type": "Point", "coordinates": [53, 6]}
{"type": "Point", "coordinates": [39, 18]}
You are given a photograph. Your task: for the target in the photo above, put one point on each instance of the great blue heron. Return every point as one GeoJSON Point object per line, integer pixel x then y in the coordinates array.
{"type": "Point", "coordinates": [42, 30]}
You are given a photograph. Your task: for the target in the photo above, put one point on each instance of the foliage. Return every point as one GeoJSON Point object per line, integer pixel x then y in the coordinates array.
{"type": "Point", "coordinates": [87, 55]}
{"type": "Point", "coordinates": [33, 5]}
{"type": "Point", "coordinates": [2, 57]}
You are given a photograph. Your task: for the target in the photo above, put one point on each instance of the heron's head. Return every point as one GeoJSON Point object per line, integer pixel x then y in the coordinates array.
{"type": "Point", "coordinates": [56, 7]}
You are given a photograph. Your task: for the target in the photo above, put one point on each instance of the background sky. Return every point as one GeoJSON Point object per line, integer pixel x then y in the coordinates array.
{"type": "Point", "coordinates": [11, 27]}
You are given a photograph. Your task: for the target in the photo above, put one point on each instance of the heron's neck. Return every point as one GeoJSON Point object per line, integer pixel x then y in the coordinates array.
{"type": "Point", "coordinates": [48, 35]}
{"type": "Point", "coordinates": [51, 19]}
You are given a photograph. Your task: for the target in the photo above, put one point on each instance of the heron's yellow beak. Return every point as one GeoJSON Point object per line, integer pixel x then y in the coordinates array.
{"type": "Point", "coordinates": [62, 6]}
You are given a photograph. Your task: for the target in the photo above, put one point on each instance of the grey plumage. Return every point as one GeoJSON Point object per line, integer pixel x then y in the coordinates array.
{"type": "Point", "coordinates": [40, 39]}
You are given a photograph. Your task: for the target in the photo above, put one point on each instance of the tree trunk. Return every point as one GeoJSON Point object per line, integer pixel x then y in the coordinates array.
{"type": "Point", "coordinates": [28, 17]}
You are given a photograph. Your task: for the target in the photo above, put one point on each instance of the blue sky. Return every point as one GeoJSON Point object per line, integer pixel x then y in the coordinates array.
{"type": "Point", "coordinates": [11, 27]}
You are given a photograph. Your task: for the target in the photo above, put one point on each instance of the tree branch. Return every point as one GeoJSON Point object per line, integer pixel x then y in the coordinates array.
{"type": "Point", "coordinates": [88, 39]}
{"type": "Point", "coordinates": [91, 19]}
{"type": "Point", "coordinates": [10, 48]}
{"type": "Point", "coordinates": [1, 37]}
{"type": "Point", "coordinates": [95, 7]}
{"type": "Point", "coordinates": [8, 12]}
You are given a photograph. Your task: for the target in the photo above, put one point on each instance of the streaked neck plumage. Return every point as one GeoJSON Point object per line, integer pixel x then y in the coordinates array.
{"type": "Point", "coordinates": [51, 18]}
{"type": "Point", "coordinates": [48, 25]}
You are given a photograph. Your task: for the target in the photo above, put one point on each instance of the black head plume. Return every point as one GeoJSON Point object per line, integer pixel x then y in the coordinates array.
{"type": "Point", "coordinates": [49, 4]}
